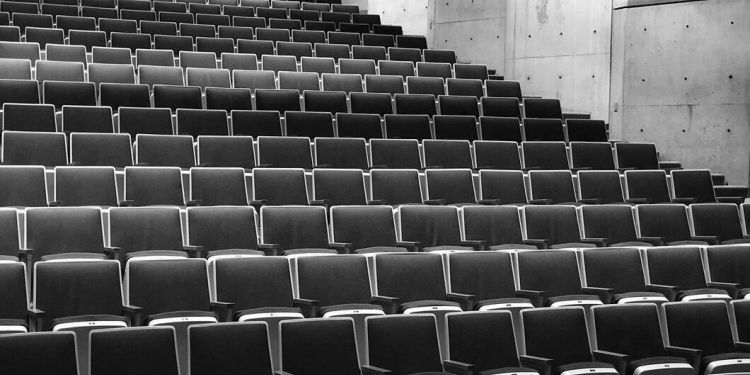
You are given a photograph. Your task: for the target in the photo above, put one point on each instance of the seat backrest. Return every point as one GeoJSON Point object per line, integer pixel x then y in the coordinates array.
{"type": "Point", "coordinates": [455, 104]}
{"type": "Point", "coordinates": [218, 186]}
{"type": "Point", "coordinates": [22, 186]}
{"type": "Point", "coordinates": [542, 108]}
{"type": "Point", "coordinates": [585, 130]}
{"type": "Point", "coordinates": [702, 325]}
{"type": "Point", "coordinates": [616, 268]}
{"type": "Point", "coordinates": [85, 186]}
{"type": "Point", "coordinates": [95, 285]}
{"type": "Point", "coordinates": [195, 122]}
{"type": "Point", "coordinates": [224, 347]}
{"type": "Point", "coordinates": [302, 350]}
{"type": "Point", "coordinates": [284, 152]}
{"type": "Point", "coordinates": [463, 127]}
{"type": "Point", "coordinates": [340, 153]}
{"type": "Point", "coordinates": [497, 155]}
{"type": "Point", "coordinates": [602, 185]}
{"type": "Point", "coordinates": [501, 107]}
{"type": "Point", "coordinates": [504, 89]}
{"type": "Point", "coordinates": [592, 155]}
{"type": "Point", "coordinates": [410, 276]}
{"type": "Point", "coordinates": [294, 227]}
{"type": "Point", "coordinates": [452, 185]}
{"type": "Point", "coordinates": [391, 84]}
{"type": "Point", "coordinates": [145, 228]}
{"type": "Point", "coordinates": [87, 119]}
{"type": "Point", "coordinates": [167, 285]}
{"type": "Point", "coordinates": [363, 226]}
{"type": "Point", "coordinates": [556, 223]}
{"type": "Point", "coordinates": [58, 230]}
{"type": "Point", "coordinates": [278, 100]}
{"type": "Point", "coordinates": [506, 185]}
{"type": "Point", "coordinates": [557, 186]}
{"type": "Point", "coordinates": [447, 153]}
{"type": "Point", "coordinates": [395, 186]}
{"type": "Point", "coordinates": [325, 101]}
{"type": "Point", "coordinates": [613, 222]}
{"type": "Point", "coordinates": [717, 219]}
{"type": "Point", "coordinates": [545, 155]}
{"type": "Point", "coordinates": [669, 221]}
{"type": "Point", "coordinates": [415, 104]}
{"type": "Point", "coordinates": [29, 117]}
{"type": "Point", "coordinates": [395, 153]}
{"type": "Point", "coordinates": [165, 150]}
{"type": "Point", "coordinates": [136, 350]}
{"type": "Point", "coordinates": [34, 148]}
{"type": "Point", "coordinates": [636, 155]}
{"type": "Point", "coordinates": [410, 126]}
{"type": "Point", "coordinates": [497, 225]}
{"type": "Point", "coordinates": [648, 184]}
{"type": "Point", "coordinates": [229, 152]}
{"type": "Point", "coordinates": [309, 124]}
{"type": "Point", "coordinates": [39, 353]}
{"type": "Point", "coordinates": [222, 228]}
{"type": "Point", "coordinates": [137, 121]}
{"type": "Point", "coordinates": [693, 183]}
{"type": "Point", "coordinates": [465, 87]}
{"type": "Point", "coordinates": [321, 278]}
{"type": "Point", "coordinates": [559, 334]}
{"type": "Point", "coordinates": [256, 123]}
{"type": "Point", "coordinates": [13, 278]}
{"type": "Point", "coordinates": [252, 282]}
{"type": "Point", "coordinates": [554, 272]}
{"type": "Point", "coordinates": [404, 344]}
{"type": "Point", "coordinates": [543, 129]}
{"type": "Point", "coordinates": [147, 186]}
{"type": "Point", "coordinates": [631, 329]}
{"type": "Point", "coordinates": [486, 275]}
{"type": "Point", "coordinates": [727, 264]}
{"type": "Point", "coordinates": [484, 339]}
{"type": "Point", "coordinates": [430, 225]}
{"type": "Point", "coordinates": [280, 186]}
{"type": "Point", "coordinates": [677, 266]}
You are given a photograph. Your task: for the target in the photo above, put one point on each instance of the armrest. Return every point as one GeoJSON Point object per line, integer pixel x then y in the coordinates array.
{"type": "Point", "coordinates": [576, 169]}
{"type": "Point", "coordinates": [126, 203]}
{"type": "Point", "coordinates": [324, 165]}
{"type": "Point", "coordinates": [257, 204]}
{"type": "Point", "coordinates": [735, 200]}
{"type": "Point", "coordinates": [711, 240]}
{"type": "Point", "coordinates": [379, 166]}
{"type": "Point", "coordinates": [389, 304]}
{"type": "Point", "coordinates": [599, 242]}
{"type": "Point", "coordinates": [475, 244]}
{"type": "Point", "coordinates": [25, 256]}
{"type": "Point", "coordinates": [36, 319]}
{"type": "Point", "coordinates": [193, 251]}
{"type": "Point", "coordinates": [668, 291]}
{"type": "Point", "coordinates": [622, 170]}
{"type": "Point", "coordinates": [270, 248]}
{"type": "Point", "coordinates": [377, 202]}
{"type": "Point", "coordinates": [684, 201]}
{"type": "Point", "coordinates": [309, 307]}
{"type": "Point", "coordinates": [193, 202]}
{"type": "Point", "coordinates": [636, 201]}
{"type": "Point", "coordinates": [466, 301]}
{"type": "Point", "coordinates": [489, 202]}
{"type": "Point", "coordinates": [693, 356]}
{"type": "Point", "coordinates": [742, 346]}
{"type": "Point", "coordinates": [731, 288]}
{"type": "Point", "coordinates": [590, 201]}
{"type": "Point", "coordinates": [620, 361]}
{"type": "Point", "coordinates": [539, 243]}
{"type": "Point", "coordinates": [341, 247]}
{"type": "Point", "coordinates": [541, 364]}
{"type": "Point", "coordinates": [56, 203]}
{"type": "Point", "coordinates": [113, 252]}
{"type": "Point", "coordinates": [223, 310]}
{"type": "Point", "coordinates": [456, 367]}
{"type": "Point", "coordinates": [134, 314]}
{"type": "Point", "coordinates": [411, 246]}
{"type": "Point", "coordinates": [656, 241]}
{"type": "Point", "coordinates": [372, 370]}
{"type": "Point", "coordinates": [435, 202]}
{"type": "Point", "coordinates": [540, 201]}
{"type": "Point", "coordinates": [321, 202]}
{"type": "Point", "coordinates": [605, 294]}
{"type": "Point", "coordinates": [537, 298]}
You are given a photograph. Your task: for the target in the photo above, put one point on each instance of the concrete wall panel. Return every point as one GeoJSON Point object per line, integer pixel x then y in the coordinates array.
{"type": "Point", "coordinates": [680, 73]}
{"type": "Point", "coordinates": [412, 15]}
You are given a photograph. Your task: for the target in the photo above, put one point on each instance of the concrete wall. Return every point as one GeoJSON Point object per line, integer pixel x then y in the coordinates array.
{"type": "Point", "coordinates": [412, 15]}
{"type": "Point", "coordinates": [681, 79]}
{"type": "Point", "coordinates": [561, 49]}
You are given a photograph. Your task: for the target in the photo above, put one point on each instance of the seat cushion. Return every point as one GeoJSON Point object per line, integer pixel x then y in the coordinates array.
{"type": "Point", "coordinates": [308, 251]}
{"type": "Point", "coordinates": [744, 292]}
{"type": "Point", "coordinates": [6, 323]}
{"type": "Point", "coordinates": [268, 310]}
{"type": "Point", "coordinates": [88, 318]}
{"type": "Point", "coordinates": [718, 293]}
{"type": "Point", "coordinates": [513, 247]}
{"type": "Point", "coordinates": [585, 365]}
{"type": "Point", "coordinates": [349, 306]}
{"type": "Point", "coordinates": [9, 258]}
{"type": "Point", "coordinates": [506, 370]}
{"type": "Point", "coordinates": [687, 242]}
{"type": "Point", "coordinates": [572, 297]}
{"type": "Point", "coordinates": [572, 245]}
{"type": "Point", "coordinates": [653, 361]}
{"type": "Point", "coordinates": [234, 252]}
{"type": "Point", "coordinates": [447, 248]}
{"type": "Point", "coordinates": [631, 244]}
{"type": "Point", "coordinates": [500, 301]}
{"type": "Point", "coordinates": [380, 249]}
{"type": "Point", "coordinates": [636, 295]}
{"type": "Point", "coordinates": [181, 314]}
{"type": "Point", "coordinates": [724, 356]}
{"type": "Point", "coordinates": [427, 303]}
{"type": "Point", "coordinates": [74, 256]}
